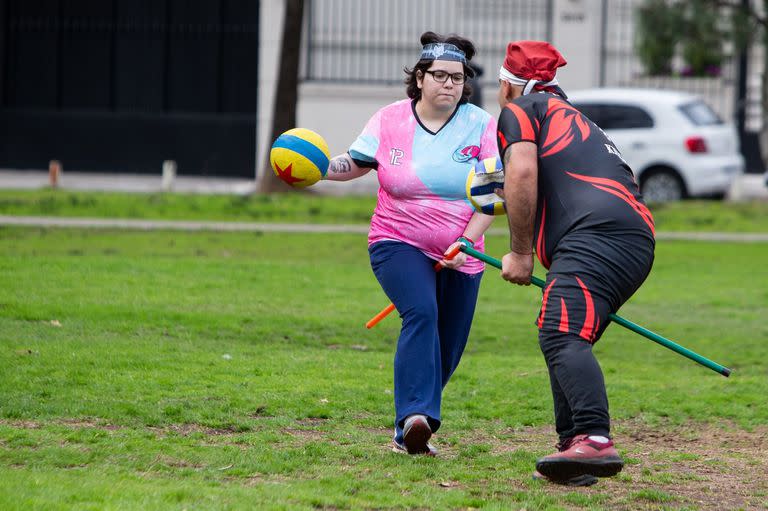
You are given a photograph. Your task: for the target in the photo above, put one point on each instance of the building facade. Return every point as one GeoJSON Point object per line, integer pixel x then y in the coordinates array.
{"type": "Point", "coordinates": [355, 51]}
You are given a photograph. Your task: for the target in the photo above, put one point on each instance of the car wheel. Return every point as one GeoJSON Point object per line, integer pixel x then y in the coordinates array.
{"type": "Point", "coordinates": [662, 186]}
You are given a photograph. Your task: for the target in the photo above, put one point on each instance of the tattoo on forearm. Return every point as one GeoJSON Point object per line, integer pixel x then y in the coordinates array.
{"type": "Point", "coordinates": [340, 166]}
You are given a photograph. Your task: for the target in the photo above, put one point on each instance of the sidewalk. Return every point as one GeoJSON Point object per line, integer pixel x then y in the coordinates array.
{"type": "Point", "coordinates": [746, 187]}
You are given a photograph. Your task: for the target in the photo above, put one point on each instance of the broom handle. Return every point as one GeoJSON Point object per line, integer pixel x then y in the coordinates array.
{"type": "Point", "coordinates": [618, 319]}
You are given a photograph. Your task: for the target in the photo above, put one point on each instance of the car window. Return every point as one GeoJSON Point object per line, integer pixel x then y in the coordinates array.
{"type": "Point", "coordinates": [700, 114]}
{"type": "Point", "coordinates": [616, 117]}
{"type": "Point", "coordinates": [591, 111]}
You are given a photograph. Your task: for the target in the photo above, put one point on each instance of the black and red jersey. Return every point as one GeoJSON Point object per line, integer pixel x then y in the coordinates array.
{"type": "Point", "coordinates": [584, 184]}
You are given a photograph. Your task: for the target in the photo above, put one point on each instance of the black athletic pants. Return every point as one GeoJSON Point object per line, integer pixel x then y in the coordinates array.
{"type": "Point", "coordinates": [591, 276]}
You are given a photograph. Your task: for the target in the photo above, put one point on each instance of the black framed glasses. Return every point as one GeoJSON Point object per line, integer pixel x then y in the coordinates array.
{"type": "Point", "coordinates": [442, 77]}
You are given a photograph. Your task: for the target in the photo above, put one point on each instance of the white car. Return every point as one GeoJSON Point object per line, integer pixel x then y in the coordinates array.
{"type": "Point", "coordinates": [675, 144]}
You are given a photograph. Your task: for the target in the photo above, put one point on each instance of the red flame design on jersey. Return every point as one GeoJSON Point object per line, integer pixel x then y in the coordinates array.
{"type": "Point", "coordinates": [619, 190]}
{"type": "Point", "coordinates": [565, 123]}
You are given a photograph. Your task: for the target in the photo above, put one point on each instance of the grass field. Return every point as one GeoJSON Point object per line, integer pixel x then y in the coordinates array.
{"type": "Point", "coordinates": [169, 370]}
{"type": "Point", "coordinates": [310, 208]}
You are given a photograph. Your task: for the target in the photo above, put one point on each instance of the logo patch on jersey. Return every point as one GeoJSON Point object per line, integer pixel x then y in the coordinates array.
{"type": "Point", "coordinates": [565, 124]}
{"type": "Point", "coordinates": [466, 154]}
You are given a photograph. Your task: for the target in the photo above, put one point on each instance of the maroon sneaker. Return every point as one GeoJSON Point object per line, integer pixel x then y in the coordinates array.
{"type": "Point", "coordinates": [582, 480]}
{"type": "Point", "coordinates": [579, 456]}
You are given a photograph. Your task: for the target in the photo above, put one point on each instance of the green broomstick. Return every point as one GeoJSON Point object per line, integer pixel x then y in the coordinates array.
{"type": "Point", "coordinates": [618, 319]}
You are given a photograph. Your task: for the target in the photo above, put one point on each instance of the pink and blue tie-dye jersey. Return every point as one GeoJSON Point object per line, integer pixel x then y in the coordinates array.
{"type": "Point", "coordinates": [422, 175]}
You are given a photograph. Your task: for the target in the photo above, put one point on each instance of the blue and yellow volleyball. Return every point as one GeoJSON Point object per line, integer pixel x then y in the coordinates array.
{"type": "Point", "coordinates": [300, 157]}
{"type": "Point", "coordinates": [483, 179]}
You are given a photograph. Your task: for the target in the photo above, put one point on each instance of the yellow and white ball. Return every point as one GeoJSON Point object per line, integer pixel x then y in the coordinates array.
{"type": "Point", "coordinates": [299, 157]}
{"type": "Point", "coordinates": [483, 179]}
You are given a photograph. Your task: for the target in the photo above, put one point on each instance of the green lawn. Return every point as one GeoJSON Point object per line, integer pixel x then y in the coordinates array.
{"type": "Point", "coordinates": [170, 370]}
{"type": "Point", "coordinates": [312, 208]}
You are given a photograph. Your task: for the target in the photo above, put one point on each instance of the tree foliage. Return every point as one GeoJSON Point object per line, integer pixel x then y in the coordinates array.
{"type": "Point", "coordinates": [698, 30]}
{"type": "Point", "coordinates": [702, 39]}
{"type": "Point", "coordinates": [657, 34]}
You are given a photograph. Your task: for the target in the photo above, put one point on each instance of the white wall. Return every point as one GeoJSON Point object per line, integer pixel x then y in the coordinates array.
{"type": "Point", "coordinates": [339, 112]}
{"type": "Point", "coordinates": [576, 32]}
{"type": "Point", "coordinates": [270, 39]}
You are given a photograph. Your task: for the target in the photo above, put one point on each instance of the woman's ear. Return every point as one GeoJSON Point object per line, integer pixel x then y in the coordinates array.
{"type": "Point", "coordinates": [419, 79]}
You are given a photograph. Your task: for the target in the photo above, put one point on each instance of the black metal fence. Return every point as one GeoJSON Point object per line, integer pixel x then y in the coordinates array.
{"type": "Point", "coordinates": [121, 85]}
{"type": "Point", "coordinates": [369, 41]}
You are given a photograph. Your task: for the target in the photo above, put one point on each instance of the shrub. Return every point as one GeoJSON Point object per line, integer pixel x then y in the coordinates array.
{"type": "Point", "coordinates": [658, 32]}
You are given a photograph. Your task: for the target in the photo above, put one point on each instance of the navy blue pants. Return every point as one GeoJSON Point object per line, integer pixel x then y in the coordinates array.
{"type": "Point", "coordinates": [437, 310]}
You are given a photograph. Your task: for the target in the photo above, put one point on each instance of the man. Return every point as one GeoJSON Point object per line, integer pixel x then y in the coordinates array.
{"type": "Point", "coordinates": [572, 200]}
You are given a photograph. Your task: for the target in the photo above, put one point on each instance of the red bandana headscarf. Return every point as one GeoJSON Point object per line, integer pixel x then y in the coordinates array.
{"type": "Point", "coordinates": [532, 64]}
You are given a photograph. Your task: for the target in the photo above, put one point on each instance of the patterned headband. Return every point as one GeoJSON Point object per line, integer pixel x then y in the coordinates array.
{"type": "Point", "coordinates": [443, 51]}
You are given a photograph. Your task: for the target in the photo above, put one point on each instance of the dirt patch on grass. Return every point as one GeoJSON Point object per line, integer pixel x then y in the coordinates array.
{"type": "Point", "coordinates": [305, 434]}
{"type": "Point", "coordinates": [312, 421]}
{"type": "Point", "coordinates": [694, 466]}
{"type": "Point", "coordinates": [20, 424]}
{"type": "Point", "coordinates": [89, 423]}
{"type": "Point", "coordinates": [711, 467]}
{"type": "Point", "coordinates": [188, 429]}
{"type": "Point", "coordinates": [93, 423]}
{"type": "Point", "coordinates": [258, 478]}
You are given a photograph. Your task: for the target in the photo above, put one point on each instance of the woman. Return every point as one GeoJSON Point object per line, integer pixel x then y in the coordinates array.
{"type": "Point", "coordinates": [422, 148]}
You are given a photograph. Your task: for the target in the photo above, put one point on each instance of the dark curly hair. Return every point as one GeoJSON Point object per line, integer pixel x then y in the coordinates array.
{"type": "Point", "coordinates": [464, 44]}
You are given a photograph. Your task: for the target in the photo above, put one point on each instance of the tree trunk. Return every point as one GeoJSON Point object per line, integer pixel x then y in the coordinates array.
{"type": "Point", "coordinates": [284, 113]}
